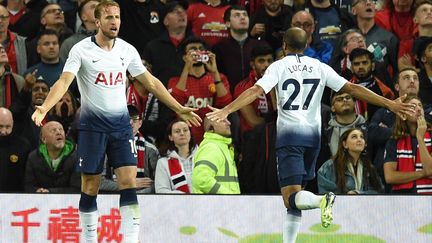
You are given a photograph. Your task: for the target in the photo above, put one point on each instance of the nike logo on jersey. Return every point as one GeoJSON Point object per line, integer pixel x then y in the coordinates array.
{"type": "Point", "coordinates": [80, 161]}
{"type": "Point", "coordinates": [94, 61]}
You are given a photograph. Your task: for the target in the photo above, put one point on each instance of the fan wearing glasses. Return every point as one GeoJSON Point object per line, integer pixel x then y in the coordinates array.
{"type": "Point", "coordinates": [52, 17]}
{"type": "Point", "coordinates": [344, 117]}
{"type": "Point", "coordinates": [321, 50]}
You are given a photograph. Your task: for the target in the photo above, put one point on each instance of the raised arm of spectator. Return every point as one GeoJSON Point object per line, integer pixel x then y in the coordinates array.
{"type": "Point", "coordinates": [56, 93]}
{"type": "Point", "coordinates": [425, 156]}
{"type": "Point", "coordinates": [391, 174]}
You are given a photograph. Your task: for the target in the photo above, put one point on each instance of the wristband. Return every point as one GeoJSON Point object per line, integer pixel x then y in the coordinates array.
{"type": "Point", "coordinates": [217, 82]}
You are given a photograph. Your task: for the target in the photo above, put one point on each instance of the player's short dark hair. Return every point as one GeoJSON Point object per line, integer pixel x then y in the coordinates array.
{"type": "Point", "coordinates": [295, 39]}
{"type": "Point", "coordinates": [190, 40]}
{"type": "Point", "coordinates": [227, 13]}
{"type": "Point", "coordinates": [260, 50]}
{"type": "Point", "coordinates": [104, 4]}
{"type": "Point", "coordinates": [359, 52]}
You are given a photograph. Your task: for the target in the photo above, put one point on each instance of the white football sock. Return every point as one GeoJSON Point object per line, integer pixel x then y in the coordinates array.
{"type": "Point", "coordinates": [89, 223]}
{"type": "Point", "coordinates": [307, 200]}
{"type": "Point", "coordinates": [130, 225]}
{"type": "Point", "coordinates": [291, 226]}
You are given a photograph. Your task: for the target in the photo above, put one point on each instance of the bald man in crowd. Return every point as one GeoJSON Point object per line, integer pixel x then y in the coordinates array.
{"type": "Point", "coordinates": [13, 155]}
{"type": "Point", "coordinates": [51, 167]}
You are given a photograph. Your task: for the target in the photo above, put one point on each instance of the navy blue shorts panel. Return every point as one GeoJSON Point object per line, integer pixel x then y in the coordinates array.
{"type": "Point", "coordinates": [121, 150]}
{"type": "Point", "coordinates": [93, 146]}
{"type": "Point", "coordinates": [296, 164]}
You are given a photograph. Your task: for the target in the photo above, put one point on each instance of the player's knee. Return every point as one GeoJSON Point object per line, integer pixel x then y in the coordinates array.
{"type": "Point", "coordinates": [90, 184]}
{"type": "Point", "coordinates": [126, 182]}
{"type": "Point", "coordinates": [286, 203]}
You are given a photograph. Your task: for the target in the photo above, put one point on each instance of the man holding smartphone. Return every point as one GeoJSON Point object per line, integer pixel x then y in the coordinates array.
{"type": "Point", "coordinates": [200, 83]}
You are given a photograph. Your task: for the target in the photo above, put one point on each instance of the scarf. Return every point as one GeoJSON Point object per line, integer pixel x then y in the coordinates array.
{"type": "Point", "coordinates": [11, 53]}
{"type": "Point", "coordinates": [10, 88]}
{"type": "Point", "coordinates": [361, 107]}
{"type": "Point", "coordinates": [408, 162]}
{"type": "Point", "coordinates": [133, 98]}
{"type": "Point", "coordinates": [358, 177]}
{"type": "Point", "coordinates": [140, 147]}
{"type": "Point", "coordinates": [178, 176]}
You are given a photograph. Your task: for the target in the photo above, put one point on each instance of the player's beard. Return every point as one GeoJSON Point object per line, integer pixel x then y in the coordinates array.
{"type": "Point", "coordinates": [109, 34]}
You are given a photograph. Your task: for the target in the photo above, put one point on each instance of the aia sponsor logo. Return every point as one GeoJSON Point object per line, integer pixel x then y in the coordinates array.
{"type": "Point", "coordinates": [111, 80]}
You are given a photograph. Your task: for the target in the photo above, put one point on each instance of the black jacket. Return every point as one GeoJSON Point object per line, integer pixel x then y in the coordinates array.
{"type": "Point", "coordinates": [13, 156]}
{"type": "Point", "coordinates": [40, 175]}
{"type": "Point", "coordinates": [233, 59]}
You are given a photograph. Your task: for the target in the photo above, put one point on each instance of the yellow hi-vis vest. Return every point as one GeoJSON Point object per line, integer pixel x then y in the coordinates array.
{"type": "Point", "coordinates": [214, 169]}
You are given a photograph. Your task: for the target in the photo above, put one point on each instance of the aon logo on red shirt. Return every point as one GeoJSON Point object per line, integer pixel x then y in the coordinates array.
{"type": "Point", "coordinates": [199, 102]}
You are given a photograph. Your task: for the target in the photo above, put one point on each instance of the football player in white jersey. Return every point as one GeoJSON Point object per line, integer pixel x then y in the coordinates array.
{"type": "Point", "coordinates": [300, 83]}
{"type": "Point", "coordinates": [99, 63]}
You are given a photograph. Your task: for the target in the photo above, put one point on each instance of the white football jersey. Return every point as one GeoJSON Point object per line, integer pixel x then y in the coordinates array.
{"type": "Point", "coordinates": [101, 77]}
{"type": "Point", "coordinates": [300, 84]}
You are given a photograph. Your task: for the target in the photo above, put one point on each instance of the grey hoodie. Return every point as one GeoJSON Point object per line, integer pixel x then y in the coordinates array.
{"type": "Point", "coordinates": [335, 130]}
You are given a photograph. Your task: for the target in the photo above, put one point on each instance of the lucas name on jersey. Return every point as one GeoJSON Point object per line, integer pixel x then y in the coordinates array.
{"type": "Point", "coordinates": [300, 67]}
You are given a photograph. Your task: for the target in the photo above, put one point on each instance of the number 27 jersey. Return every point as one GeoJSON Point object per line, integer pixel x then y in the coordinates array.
{"type": "Point", "coordinates": [300, 83]}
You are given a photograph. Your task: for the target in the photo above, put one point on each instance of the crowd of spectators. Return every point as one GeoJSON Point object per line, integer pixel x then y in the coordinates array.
{"type": "Point", "coordinates": [207, 52]}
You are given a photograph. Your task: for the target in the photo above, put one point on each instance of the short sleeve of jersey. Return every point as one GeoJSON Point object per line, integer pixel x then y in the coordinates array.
{"type": "Point", "coordinates": [334, 80]}
{"type": "Point", "coordinates": [135, 67]}
{"type": "Point", "coordinates": [73, 62]}
{"type": "Point", "coordinates": [270, 78]}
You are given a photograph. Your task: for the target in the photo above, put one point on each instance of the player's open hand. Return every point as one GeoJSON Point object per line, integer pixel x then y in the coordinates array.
{"type": "Point", "coordinates": [189, 116]}
{"type": "Point", "coordinates": [217, 114]}
{"type": "Point", "coordinates": [402, 109]}
{"type": "Point", "coordinates": [38, 115]}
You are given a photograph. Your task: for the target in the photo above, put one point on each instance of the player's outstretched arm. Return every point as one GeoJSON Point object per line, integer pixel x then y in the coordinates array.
{"type": "Point", "coordinates": [245, 98]}
{"type": "Point", "coordinates": [396, 106]}
{"type": "Point", "coordinates": [56, 93]}
{"type": "Point", "coordinates": [155, 86]}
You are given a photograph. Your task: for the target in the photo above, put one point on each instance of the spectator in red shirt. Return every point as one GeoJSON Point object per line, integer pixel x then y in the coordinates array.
{"type": "Point", "coordinates": [16, 9]}
{"type": "Point", "coordinates": [206, 19]}
{"type": "Point", "coordinates": [200, 83]}
{"type": "Point", "coordinates": [254, 113]}
{"type": "Point", "coordinates": [397, 17]}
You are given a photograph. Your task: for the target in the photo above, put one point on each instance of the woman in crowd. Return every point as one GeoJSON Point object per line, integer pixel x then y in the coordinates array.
{"type": "Point", "coordinates": [174, 168]}
{"type": "Point", "coordinates": [350, 171]}
{"type": "Point", "coordinates": [408, 160]}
